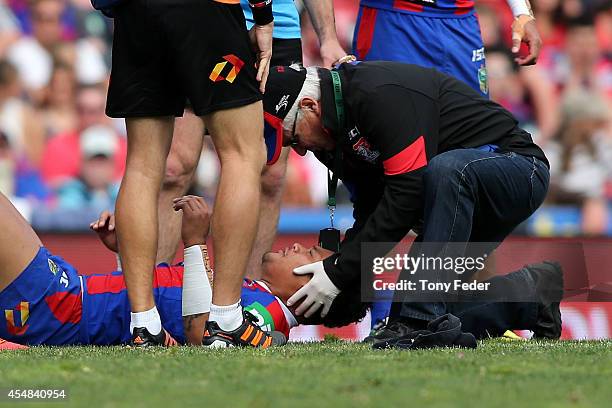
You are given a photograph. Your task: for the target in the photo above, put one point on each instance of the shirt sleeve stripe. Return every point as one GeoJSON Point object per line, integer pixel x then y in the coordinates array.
{"type": "Point", "coordinates": [411, 158]}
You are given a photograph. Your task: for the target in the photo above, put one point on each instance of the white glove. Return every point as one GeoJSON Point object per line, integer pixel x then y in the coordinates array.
{"type": "Point", "coordinates": [320, 291]}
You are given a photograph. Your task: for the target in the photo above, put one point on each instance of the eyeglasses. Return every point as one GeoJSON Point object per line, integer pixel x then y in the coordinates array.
{"type": "Point", "coordinates": [294, 141]}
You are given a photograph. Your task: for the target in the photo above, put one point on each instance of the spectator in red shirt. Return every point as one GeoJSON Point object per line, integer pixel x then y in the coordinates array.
{"type": "Point", "coordinates": [582, 64]}
{"type": "Point", "coordinates": [62, 157]}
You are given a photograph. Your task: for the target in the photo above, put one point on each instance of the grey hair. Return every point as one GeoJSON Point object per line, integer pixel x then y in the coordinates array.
{"type": "Point", "coordinates": [310, 89]}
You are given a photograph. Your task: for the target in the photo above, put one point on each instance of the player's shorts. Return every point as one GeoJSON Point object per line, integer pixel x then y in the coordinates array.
{"type": "Point", "coordinates": [44, 305]}
{"type": "Point", "coordinates": [168, 51]}
{"type": "Point", "coordinates": [107, 306]}
{"type": "Point", "coordinates": [452, 45]}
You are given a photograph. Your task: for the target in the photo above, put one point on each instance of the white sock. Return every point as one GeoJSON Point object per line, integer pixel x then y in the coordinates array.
{"type": "Point", "coordinates": [149, 320]}
{"type": "Point", "coordinates": [227, 317]}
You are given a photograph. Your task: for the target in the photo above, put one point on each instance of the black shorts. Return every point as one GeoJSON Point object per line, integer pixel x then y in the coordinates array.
{"type": "Point", "coordinates": [168, 51]}
{"type": "Point", "coordinates": [286, 51]}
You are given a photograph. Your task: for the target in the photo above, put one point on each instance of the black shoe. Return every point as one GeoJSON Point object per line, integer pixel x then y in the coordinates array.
{"type": "Point", "coordinates": [398, 340]}
{"type": "Point", "coordinates": [247, 335]}
{"type": "Point", "coordinates": [393, 329]}
{"type": "Point", "coordinates": [142, 338]}
{"type": "Point", "coordinates": [548, 277]}
{"type": "Point", "coordinates": [444, 331]}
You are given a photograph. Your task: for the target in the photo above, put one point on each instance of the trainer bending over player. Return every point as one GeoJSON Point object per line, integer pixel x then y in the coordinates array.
{"type": "Point", "coordinates": [45, 302]}
{"type": "Point", "coordinates": [411, 143]}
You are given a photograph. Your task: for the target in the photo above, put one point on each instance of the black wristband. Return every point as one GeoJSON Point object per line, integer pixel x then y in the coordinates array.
{"type": "Point", "coordinates": [262, 11]}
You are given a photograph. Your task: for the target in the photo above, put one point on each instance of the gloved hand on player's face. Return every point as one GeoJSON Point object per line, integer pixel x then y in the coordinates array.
{"type": "Point", "coordinates": [320, 291]}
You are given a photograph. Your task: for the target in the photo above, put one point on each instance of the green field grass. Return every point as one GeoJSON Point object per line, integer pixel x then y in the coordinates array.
{"type": "Point", "coordinates": [332, 373]}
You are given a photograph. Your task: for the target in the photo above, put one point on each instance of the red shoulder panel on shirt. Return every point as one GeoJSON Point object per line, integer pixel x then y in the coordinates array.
{"type": "Point", "coordinates": [411, 158]}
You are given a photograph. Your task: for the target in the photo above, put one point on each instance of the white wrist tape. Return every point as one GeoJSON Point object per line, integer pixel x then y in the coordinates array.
{"type": "Point", "coordinates": [197, 292]}
{"type": "Point", "coordinates": [118, 258]}
{"type": "Point", "coordinates": [519, 7]}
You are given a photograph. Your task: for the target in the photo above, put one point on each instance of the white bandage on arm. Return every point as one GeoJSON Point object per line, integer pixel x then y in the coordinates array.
{"type": "Point", "coordinates": [197, 292]}
{"type": "Point", "coordinates": [519, 7]}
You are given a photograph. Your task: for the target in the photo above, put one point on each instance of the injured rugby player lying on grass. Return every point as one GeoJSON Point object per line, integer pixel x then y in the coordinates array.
{"type": "Point", "coordinates": [47, 302]}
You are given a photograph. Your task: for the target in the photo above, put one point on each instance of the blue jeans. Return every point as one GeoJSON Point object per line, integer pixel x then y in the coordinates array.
{"type": "Point", "coordinates": [474, 196]}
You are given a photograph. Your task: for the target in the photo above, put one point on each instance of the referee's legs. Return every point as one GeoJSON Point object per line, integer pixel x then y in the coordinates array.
{"type": "Point", "coordinates": [236, 134]}
{"type": "Point", "coordinates": [149, 141]}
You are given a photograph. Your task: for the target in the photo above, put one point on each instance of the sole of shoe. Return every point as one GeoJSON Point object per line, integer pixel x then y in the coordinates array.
{"type": "Point", "coordinates": [7, 345]}
{"type": "Point", "coordinates": [218, 344]}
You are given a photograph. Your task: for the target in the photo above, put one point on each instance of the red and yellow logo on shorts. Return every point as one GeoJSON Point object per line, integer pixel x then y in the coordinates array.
{"type": "Point", "coordinates": [16, 319]}
{"type": "Point", "coordinates": [236, 65]}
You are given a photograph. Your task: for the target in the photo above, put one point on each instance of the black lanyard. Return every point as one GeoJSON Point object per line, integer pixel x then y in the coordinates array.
{"type": "Point", "coordinates": [334, 175]}
{"type": "Point", "coordinates": [329, 238]}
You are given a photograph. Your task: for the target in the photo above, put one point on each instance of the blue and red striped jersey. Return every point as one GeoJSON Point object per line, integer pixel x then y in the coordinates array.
{"type": "Point", "coordinates": [106, 307]}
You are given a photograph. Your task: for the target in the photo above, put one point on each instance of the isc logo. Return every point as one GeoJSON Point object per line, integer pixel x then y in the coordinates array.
{"type": "Point", "coordinates": [478, 55]}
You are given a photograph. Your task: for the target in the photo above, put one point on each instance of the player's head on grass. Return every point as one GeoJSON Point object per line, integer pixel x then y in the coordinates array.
{"type": "Point", "coordinates": [277, 272]}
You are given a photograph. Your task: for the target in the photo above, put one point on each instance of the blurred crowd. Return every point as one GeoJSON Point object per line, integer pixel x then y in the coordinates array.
{"type": "Point", "coordinates": [59, 151]}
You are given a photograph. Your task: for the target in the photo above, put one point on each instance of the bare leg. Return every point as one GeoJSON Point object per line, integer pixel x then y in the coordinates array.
{"type": "Point", "coordinates": [237, 135]}
{"type": "Point", "coordinates": [18, 243]}
{"type": "Point", "coordinates": [149, 141]}
{"type": "Point", "coordinates": [180, 168]}
{"type": "Point", "coordinates": [272, 183]}
{"type": "Point", "coordinates": [193, 327]}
